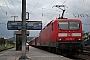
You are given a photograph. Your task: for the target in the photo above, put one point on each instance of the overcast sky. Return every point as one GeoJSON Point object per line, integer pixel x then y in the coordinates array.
{"type": "Point", "coordinates": [42, 10]}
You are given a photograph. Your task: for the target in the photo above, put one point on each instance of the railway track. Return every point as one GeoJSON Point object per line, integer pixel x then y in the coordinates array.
{"type": "Point", "coordinates": [85, 55]}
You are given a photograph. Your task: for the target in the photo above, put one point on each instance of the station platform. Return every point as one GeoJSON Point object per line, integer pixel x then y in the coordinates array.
{"type": "Point", "coordinates": [33, 54]}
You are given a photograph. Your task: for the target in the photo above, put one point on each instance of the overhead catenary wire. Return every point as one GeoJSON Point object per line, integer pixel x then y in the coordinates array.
{"type": "Point", "coordinates": [2, 9]}
{"type": "Point", "coordinates": [49, 9]}
{"type": "Point", "coordinates": [52, 3]}
{"type": "Point", "coordinates": [38, 7]}
{"type": "Point", "coordinates": [74, 6]}
{"type": "Point", "coordinates": [86, 15]}
{"type": "Point", "coordinates": [77, 5]}
{"type": "Point", "coordinates": [43, 8]}
{"type": "Point", "coordinates": [64, 2]}
{"type": "Point", "coordinates": [29, 4]}
{"type": "Point", "coordinates": [2, 22]}
{"type": "Point", "coordinates": [8, 7]}
{"type": "Point", "coordinates": [56, 11]}
{"type": "Point", "coordinates": [84, 12]}
{"type": "Point", "coordinates": [35, 6]}
{"type": "Point", "coordinates": [31, 1]}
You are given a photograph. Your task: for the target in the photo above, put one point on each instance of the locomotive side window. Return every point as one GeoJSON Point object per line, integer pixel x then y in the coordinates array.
{"type": "Point", "coordinates": [74, 25]}
{"type": "Point", "coordinates": [63, 25]}
{"type": "Point", "coordinates": [52, 27]}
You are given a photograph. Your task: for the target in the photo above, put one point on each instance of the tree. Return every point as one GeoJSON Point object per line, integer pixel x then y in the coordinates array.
{"type": "Point", "coordinates": [2, 41]}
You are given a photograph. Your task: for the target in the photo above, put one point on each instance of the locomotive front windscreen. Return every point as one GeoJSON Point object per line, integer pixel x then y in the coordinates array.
{"type": "Point", "coordinates": [68, 25]}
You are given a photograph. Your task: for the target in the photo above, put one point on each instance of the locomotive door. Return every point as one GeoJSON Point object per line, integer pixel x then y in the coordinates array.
{"type": "Point", "coordinates": [49, 36]}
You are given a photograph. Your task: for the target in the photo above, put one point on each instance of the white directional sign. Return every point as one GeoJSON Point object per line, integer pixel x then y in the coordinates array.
{"type": "Point", "coordinates": [14, 25]}
{"type": "Point", "coordinates": [34, 25]}
{"type": "Point", "coordinates": [27, 16]}
{"type": "Point", "coordinates": [30, 25]}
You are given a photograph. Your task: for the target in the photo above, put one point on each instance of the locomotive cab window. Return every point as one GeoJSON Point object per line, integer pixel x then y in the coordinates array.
{"type": "Point", "coordinates": [68, 25]}
{"type": "Point", "coordinates": [74, 25]}
{"type": "Point", "coordinates": [63, 25]}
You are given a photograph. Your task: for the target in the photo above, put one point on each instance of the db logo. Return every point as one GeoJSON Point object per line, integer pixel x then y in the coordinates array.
{"type": "Point", "coordinates": [69, 34]}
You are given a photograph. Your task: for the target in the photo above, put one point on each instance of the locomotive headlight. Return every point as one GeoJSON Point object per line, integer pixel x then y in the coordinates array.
{"type": "Point", "coordinates": [60, 39]}
{"type": "Point", "coordinates": [79, 39]}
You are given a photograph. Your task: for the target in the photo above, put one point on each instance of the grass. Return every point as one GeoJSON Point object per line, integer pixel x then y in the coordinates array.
{"type": "Point", "coordinates": [2, 47]}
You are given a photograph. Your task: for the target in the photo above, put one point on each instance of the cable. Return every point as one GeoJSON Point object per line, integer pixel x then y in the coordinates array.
{"type": "Point", "coordinates": [74, 6]}
{"type": "Point", "coordinates": [52, 2]}
{"type": "Point", "coordinates": [31, 2]}
{"type": "Point", "coordinates": [8, 7]}
{"type": "Point", "coordinates": [2, 22]}
{"type": "Point", "coordinates": [64, 2]}
{"type": "Point", "coordinates": [38, 6]}
{"type": "Point", "coordinates": [2, 9]}
{"type": "Point", "coordinates": [56, 11]}
{"type": "Point", "coordinates": [35, 6]}
{"type": "Point", "coordinates": [85, 12]}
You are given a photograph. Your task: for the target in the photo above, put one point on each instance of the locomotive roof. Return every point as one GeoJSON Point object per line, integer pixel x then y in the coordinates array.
{"type": "Point", "coordinates": [67, 20]}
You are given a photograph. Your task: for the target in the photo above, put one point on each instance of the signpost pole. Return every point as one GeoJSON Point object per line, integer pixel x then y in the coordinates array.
{"type": "Point", "coordinates": [23, 57]}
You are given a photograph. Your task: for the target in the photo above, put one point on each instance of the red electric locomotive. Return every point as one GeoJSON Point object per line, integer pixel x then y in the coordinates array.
{"type": "Point", "coordinates": [62, 35]}
{"type": "Point", "coordinates": [33, 42]}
